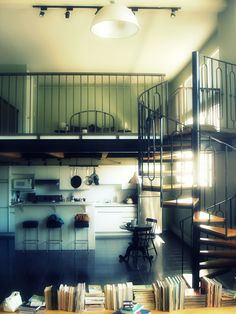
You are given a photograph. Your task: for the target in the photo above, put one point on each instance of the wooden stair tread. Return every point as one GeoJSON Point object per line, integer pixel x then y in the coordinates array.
{"type": "Point", "coordinates": [167, 187]}
{"type": "Point", "coordinates": [218, 253]}
{"type": "Point", "coordinates": [219, 242]}
{"type": "Point", "coordinates": [164, 172]}
{"type": "Point", "coordinates": [182, 202]}
{"type": "Point", "coordinates": [167, 156]}
{"type": "Point", "coordinates": [201, 216]}
{"type": "Point", "coordinates": [218, 263]}
{"type": "Point", "coordinates": [210, 273]}
{"type": "Point", "coordinates": [231, 233]}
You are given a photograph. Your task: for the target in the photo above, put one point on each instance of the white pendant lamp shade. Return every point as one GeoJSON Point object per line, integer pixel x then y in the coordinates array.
{"type": "Point", "coordinates": [115, 20]}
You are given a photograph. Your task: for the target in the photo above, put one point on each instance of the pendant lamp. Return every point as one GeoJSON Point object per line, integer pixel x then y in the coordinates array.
{"type": "Point", "coordinates": [115, 20]}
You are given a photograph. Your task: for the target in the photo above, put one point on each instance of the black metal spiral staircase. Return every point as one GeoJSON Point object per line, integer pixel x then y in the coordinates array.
{"type": "Point", "coordinates": [191, 168]}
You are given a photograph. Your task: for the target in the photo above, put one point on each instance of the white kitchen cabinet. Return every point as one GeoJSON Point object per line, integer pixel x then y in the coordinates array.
{"type": "Point", "coordinates": [11, 224]}
{"type": "Point", "coordinates": [3, 219]}
{"type": "Point", "coordinates": [119, 174]}
{"type": "Point", "coordinates": [46, 172]}
{"type": "Point", "coordinates": [109, 218]}
{"type": "Point", "coordinates": [4, 210]}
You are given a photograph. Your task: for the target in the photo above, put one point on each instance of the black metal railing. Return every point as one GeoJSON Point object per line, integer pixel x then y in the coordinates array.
{"type": "Point", "coordinates": [43, 103]}
{"type": "Point", "coordinates": [218, 176]}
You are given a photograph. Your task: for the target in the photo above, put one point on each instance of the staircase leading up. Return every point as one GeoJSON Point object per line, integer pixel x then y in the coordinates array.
{"type": "Point", "coordinates": [189, 166]}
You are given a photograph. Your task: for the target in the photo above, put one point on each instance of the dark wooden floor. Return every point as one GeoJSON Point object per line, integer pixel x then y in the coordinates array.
{"type": "Point", "coordinates": [29, 272]}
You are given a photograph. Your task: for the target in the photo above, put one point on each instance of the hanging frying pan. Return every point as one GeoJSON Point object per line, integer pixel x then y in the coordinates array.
{"type": "Point", "coordinates": [76, 180]}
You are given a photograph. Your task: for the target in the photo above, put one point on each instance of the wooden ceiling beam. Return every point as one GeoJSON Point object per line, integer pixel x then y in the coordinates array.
{"type": "Point", "coordinates": [59, 155]}
{"type": "Point", "coordinates": [13, 155]}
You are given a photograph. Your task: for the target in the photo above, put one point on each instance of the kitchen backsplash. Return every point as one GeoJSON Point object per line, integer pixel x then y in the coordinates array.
{"type": "Point", "coordinates": [103, 193]}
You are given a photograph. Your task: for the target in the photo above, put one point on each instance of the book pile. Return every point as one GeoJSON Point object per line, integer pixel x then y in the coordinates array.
{"type": "Point", "coordinates": [169, 293]}
{"type": "Point", "coordinates": [26, 308]}
{"type": "Point", "coordinates": [66, 298]}
{"type": "Point", "coordinates": [194, 299]}
{"type": "Point", "coordinates": [228, 297]}
{"type": "Point", "coordinates": [94, 298]}
{"type": "Point", "coordinates": [37, 300]}
{"type": "Point", "coordinates": [115, 294]}
{"type": "Point", "coordinates": [35, 304]}
{"type": "Point", "coordinates": [129, 307]}
{"type": "Point", "coordinates": [213, 289]}
{"type": "Point", "coordinates": [50, 295]}
{"type": "Point", "coordinates": [144, 294]}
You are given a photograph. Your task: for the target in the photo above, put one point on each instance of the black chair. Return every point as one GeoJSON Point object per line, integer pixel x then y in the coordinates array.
{"type": "Point", "coordinates": [54, 227]}
{"type": "Point", "coordinates": [30, 233]}
{"type": "Point", "coordinates": [152, 233]}
{"type": "Point", "coordinates": [78, 227]}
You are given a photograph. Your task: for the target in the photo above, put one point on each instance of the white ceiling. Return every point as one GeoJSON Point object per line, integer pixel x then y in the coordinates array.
{"type": "Point", "coordinates": [53, 43]}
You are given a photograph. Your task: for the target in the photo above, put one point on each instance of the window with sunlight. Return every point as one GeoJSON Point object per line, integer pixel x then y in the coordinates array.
{"type": "Point", "coordinates": [184, 169]}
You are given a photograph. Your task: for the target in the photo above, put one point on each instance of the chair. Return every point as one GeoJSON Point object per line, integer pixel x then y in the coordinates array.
{"type": "Point", "coordinates": [30, 233]}
{"type": "Point", "coordinates": [54, 226]}
{"type": "Point", "coordinates": [152, 233]}
{"type": "Point", "coordinates": [81, 222]}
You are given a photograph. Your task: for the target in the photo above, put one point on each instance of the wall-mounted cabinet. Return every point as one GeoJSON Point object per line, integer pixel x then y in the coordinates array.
{"type": "Point", "coordinates": [119, 174]}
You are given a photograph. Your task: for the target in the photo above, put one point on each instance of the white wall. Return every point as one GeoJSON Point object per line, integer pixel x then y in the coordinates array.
{"type": "Point", "coordinates": [227, 32]}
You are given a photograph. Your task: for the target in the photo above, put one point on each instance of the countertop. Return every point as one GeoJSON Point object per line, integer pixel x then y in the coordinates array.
{"type": "Point", "coordinates": [95, 204]}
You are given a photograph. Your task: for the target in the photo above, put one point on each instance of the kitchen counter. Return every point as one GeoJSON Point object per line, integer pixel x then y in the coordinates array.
{"type": "Point", "coordinates": [95, 204]}
{"type": "Point", "coordinates": [114, 205]}
{"type": "Point", "coordinates": [52, 204]}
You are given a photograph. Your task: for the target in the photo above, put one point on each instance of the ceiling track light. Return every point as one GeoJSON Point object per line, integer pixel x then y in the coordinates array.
{"type": "Point", "coordinates": [42, 11]}
{"type": "Point", "coordinates": [68, 12]}
{"type": "Point", "coordinates": [114, 20]}
{"type": "Point", "coordinates": [173, 13]}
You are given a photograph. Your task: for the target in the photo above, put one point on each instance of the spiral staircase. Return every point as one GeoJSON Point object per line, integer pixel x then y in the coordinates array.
{"type": "Point", "coordinates": [190, 164]}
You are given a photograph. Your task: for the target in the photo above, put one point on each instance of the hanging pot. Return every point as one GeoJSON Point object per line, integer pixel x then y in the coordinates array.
{"type": "Point", "coordinates": [88, 180]}
{"type": "Point", "coordinates": [92, 179]}
{"type": "Point", "coordinates": [76, 180]}
{"type": "Point", "coordinates": [95, 177]}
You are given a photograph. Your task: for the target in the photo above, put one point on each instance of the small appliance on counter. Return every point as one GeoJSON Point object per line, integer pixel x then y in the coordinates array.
{"type": "Point", "coordinates": [23, 184]}
{"type": "Point", "coordinates": [32, 197]}
{"type": "Point", "coordinates": [128, 200]}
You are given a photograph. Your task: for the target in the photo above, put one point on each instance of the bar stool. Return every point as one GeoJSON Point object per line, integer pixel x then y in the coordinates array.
{"type": "Point", "coordinates": [54, 234]}
{"type": "Point", "coordinates": [79, 226]}
{"type": "Point", "coordinates": [31, 234]}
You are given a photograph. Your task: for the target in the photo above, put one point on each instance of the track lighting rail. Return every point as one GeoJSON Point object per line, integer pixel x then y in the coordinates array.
{"type": "Point", "coordinates": [98, 7]}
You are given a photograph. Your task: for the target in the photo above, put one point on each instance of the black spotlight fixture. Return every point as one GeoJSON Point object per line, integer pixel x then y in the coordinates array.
{"type": "Point", "coordinates": [173, 13]}
{"type": "Point", "coordinates": [67, 13]}
{"type": "Point", "coordinates": [42, 11]}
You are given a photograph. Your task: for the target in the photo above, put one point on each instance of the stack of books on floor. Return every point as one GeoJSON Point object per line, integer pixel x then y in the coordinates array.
{"type": "Point", "coordinates": [50, 295]}
{"type": "Point", "coordinates": [129, 307]}
{"type": "Point", "coordinates": [194, 299]}
{"type": "Point", "coordinates": [169, 293]}
{"type": "Point", "coordinates": [213, 290]}
{"type": "Point", "coordinates": [94, 298]}
{"type": "Point", "coordinates": [66, 298]}
{"type": "Point", "coordinates": [116, 294]}
{"type": "Point", "coordinates": [144, 295]}
{"type": "Point", "coordinates": [35, 304]}
{"type": "Point", "coordinates": [228, 297]}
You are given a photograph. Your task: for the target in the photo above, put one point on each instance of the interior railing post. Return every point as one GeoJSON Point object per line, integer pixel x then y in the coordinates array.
{"type": "Point", "coordinates": [196, 157]}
